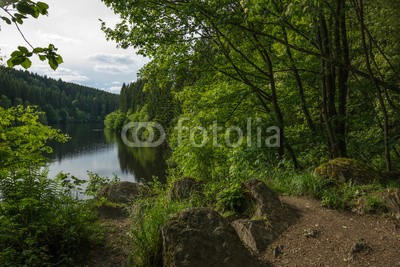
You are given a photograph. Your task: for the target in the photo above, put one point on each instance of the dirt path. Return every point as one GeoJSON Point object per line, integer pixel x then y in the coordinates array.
{"type": "Point", "coordinates": [321, 237]}
{"type": "Point", "coordinates": [325, 237]}
{"type": "Point", "coordinates": [117, 245]}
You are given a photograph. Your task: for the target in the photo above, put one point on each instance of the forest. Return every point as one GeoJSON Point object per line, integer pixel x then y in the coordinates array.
{"type": "Point", "coordinates": [62, 102]}
{"type": "Point", "coordinates": [325, 72]}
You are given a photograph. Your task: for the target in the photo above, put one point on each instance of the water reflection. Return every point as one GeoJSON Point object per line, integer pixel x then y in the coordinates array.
{"type": "Point", "coordinates": [92, 149]}
{"type": "Point", "coordinates": [143, 162]}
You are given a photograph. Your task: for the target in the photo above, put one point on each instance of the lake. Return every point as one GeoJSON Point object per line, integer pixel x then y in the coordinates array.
{"type": "Point", "coordinates": [93, 149]}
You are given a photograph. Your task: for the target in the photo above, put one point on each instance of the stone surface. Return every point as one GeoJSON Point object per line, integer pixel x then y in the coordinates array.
{"type": "Point", "coordinates": [255, 234]}
{"type": "Point", "coordinates": [202, 237]}
{"type": "Point", "coordinates": [266, 201]}
{"type": "Point", "coordinates": [184, 189]}
{"type": "Point", "coordinates": [391, 199]}
{"type": "Point", "coordinates": [341, 170]}
{"type": "Point", "coordinates": [122, 192]}
{"type": "Point", "coordinates": [112, 212]}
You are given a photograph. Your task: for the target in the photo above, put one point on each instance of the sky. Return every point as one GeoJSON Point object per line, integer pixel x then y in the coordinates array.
{"type": "Point", "coordinates": [73, 26]}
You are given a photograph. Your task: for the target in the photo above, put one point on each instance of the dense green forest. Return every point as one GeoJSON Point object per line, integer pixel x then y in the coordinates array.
{"type": "Point", "coordinates": [62, 102]}
{"type": "Point", "coordinates": [325, 72]}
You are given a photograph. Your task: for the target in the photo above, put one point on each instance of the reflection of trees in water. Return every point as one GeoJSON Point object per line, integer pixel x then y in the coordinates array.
{"type": "Point", "coordinates": [85, 139]}
{"type": "Point", "coordinates": [143, 162]}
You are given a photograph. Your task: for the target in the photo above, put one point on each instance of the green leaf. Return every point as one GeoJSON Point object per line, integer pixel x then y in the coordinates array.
{"type": "Point", "coordinates": [26, 8]}
{"type": "Point", "coordinates": [7, 20]}
{"type": "Point", "coordinates": [9, 63]}
{"type": "Point", "coordinates": [23, 49]}
{"type": "Point", "coordinates": [38, 50]}
{"type": "Point", "coordinates": [59, 59]}
{"type": "Point", "coordinates": [15, 61]}
{"type": "Point", "coordinates": [26, 64]}
{"type": "Point", "coordinates": [42, 7]}
{"type": "Point", "coordinates": [53, 63]}
{"type": "Point", "coordinates": [16, 54]}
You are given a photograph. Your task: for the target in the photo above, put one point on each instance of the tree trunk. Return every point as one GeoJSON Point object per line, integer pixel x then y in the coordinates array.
{"type": "Point", "coordinates": [328, 86]}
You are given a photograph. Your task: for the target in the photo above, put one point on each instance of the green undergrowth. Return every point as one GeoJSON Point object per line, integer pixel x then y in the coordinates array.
{"type": "Point", "coordinates": [149, 215]}
{"type": "Point", "coordinates": [42, 224]}
{"type": "Point", "coordinates": [227, 196]}
{"type": "Point", "coordinates": [345, 196]}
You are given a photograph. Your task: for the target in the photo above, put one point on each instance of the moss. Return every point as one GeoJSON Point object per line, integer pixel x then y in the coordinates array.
{"type": "Point", "coordinates": [343, 170]}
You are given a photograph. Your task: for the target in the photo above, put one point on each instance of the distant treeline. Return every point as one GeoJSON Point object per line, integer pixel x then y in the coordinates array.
{"type": "Point", "coordinates": [61, 101]}
{"type": "Point", "coordinates": [143, 100]}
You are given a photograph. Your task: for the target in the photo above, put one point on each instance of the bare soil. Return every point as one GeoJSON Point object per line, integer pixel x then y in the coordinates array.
{"type": "Point", "coordinates": [117, 245]}
{"type": "Point", "coordinates": [323, 237]}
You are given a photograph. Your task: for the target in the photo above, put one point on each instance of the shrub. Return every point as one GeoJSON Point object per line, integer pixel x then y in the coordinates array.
{"type": "Point", "coordinates": [41, 222]}
{"type": "Point", "coordinates": [231, 198]}
{"type": "Point", "coordinates": [41, 225]}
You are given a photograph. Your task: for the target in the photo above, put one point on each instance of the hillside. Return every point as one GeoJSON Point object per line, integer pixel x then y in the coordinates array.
{"type": "Point", "coordinates": [61, 101]}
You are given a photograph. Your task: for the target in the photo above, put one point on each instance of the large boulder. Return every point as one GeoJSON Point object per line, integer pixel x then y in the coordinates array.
{"type": "Point", "coordinates": [202, 237]}
{"type": "Point", "coordinates": [343, 170]}
{"type": "Point", "coordinates": [256, 234]}
{"type": "Point", "coordinates": [268, 216]}
{"type": "Point", "coordinates": [184, 189]}
{"type": "Point", "coordinates": [122, 192]}
{"type": "Point", "coordinates": [265, 201]}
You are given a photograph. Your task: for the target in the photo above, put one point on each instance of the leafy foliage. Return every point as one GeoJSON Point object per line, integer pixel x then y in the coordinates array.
{"type": "Point", "coordinates": [231, 198]}
{"type": "Point", "coordinates": [322, 71]}
{"type": "Point", "coordinates": [41, 222]}
{"type": "Point", "coordinates": [16, 14]}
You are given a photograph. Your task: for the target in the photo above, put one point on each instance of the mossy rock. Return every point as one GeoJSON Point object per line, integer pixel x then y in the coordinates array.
{"type": "Point", "coordinates": [343, 170]}
{"type": "Point", "coordinates": [185, 188]}
{"type": "Point", "coordinates": [123, 192]}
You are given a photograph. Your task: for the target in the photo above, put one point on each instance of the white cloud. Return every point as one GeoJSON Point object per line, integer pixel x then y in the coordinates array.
{"type": "Point", "coordinates": [113, 69]}
{"type": "Point", "coordinates": [113, 59]}
{"type": "Point", "coordinates": [64, 74]}
{"type": "Point", "coordinates": [114, 63]}
{"type": "Point", "coordinates": [55, 38]}
{"type": "Point", "coordinates": [114, 89]}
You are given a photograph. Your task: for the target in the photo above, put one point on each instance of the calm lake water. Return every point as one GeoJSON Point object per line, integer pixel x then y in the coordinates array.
{"type": "Point", "coordinates": [92, 149]}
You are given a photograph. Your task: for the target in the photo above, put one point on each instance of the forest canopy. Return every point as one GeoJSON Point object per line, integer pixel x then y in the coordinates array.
{"type": "Point", "coordinates": [62, 102]}
{"type": "Point", "coordinates": [326, 72]}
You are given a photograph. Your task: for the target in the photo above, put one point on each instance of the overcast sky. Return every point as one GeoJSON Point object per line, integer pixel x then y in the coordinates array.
{"type": "Point", "coordinates": [74, 27]}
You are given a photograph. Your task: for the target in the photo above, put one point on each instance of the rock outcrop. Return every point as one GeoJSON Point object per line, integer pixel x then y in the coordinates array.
{"type": "Point", "coordinates": [117, 197]}
{"type": "Point", "coordinates": [184, 189]}
{"type": "Point", "coordinates": [341, 170]}
{"type": "Point", "coordinates": [122, 192]}
{"type": "Point", "coordinates": [265, 201]}
{"type": "Point", "coordinates": [268, 217]}
{"type": "Point", "coordinates": [255, 234]}
{"type": "Point", "coordinates": [202, 237]}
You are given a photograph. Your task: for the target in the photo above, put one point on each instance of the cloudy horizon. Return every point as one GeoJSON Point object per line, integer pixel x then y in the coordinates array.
{"type": "Point", "coordinates": [74, 28]}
